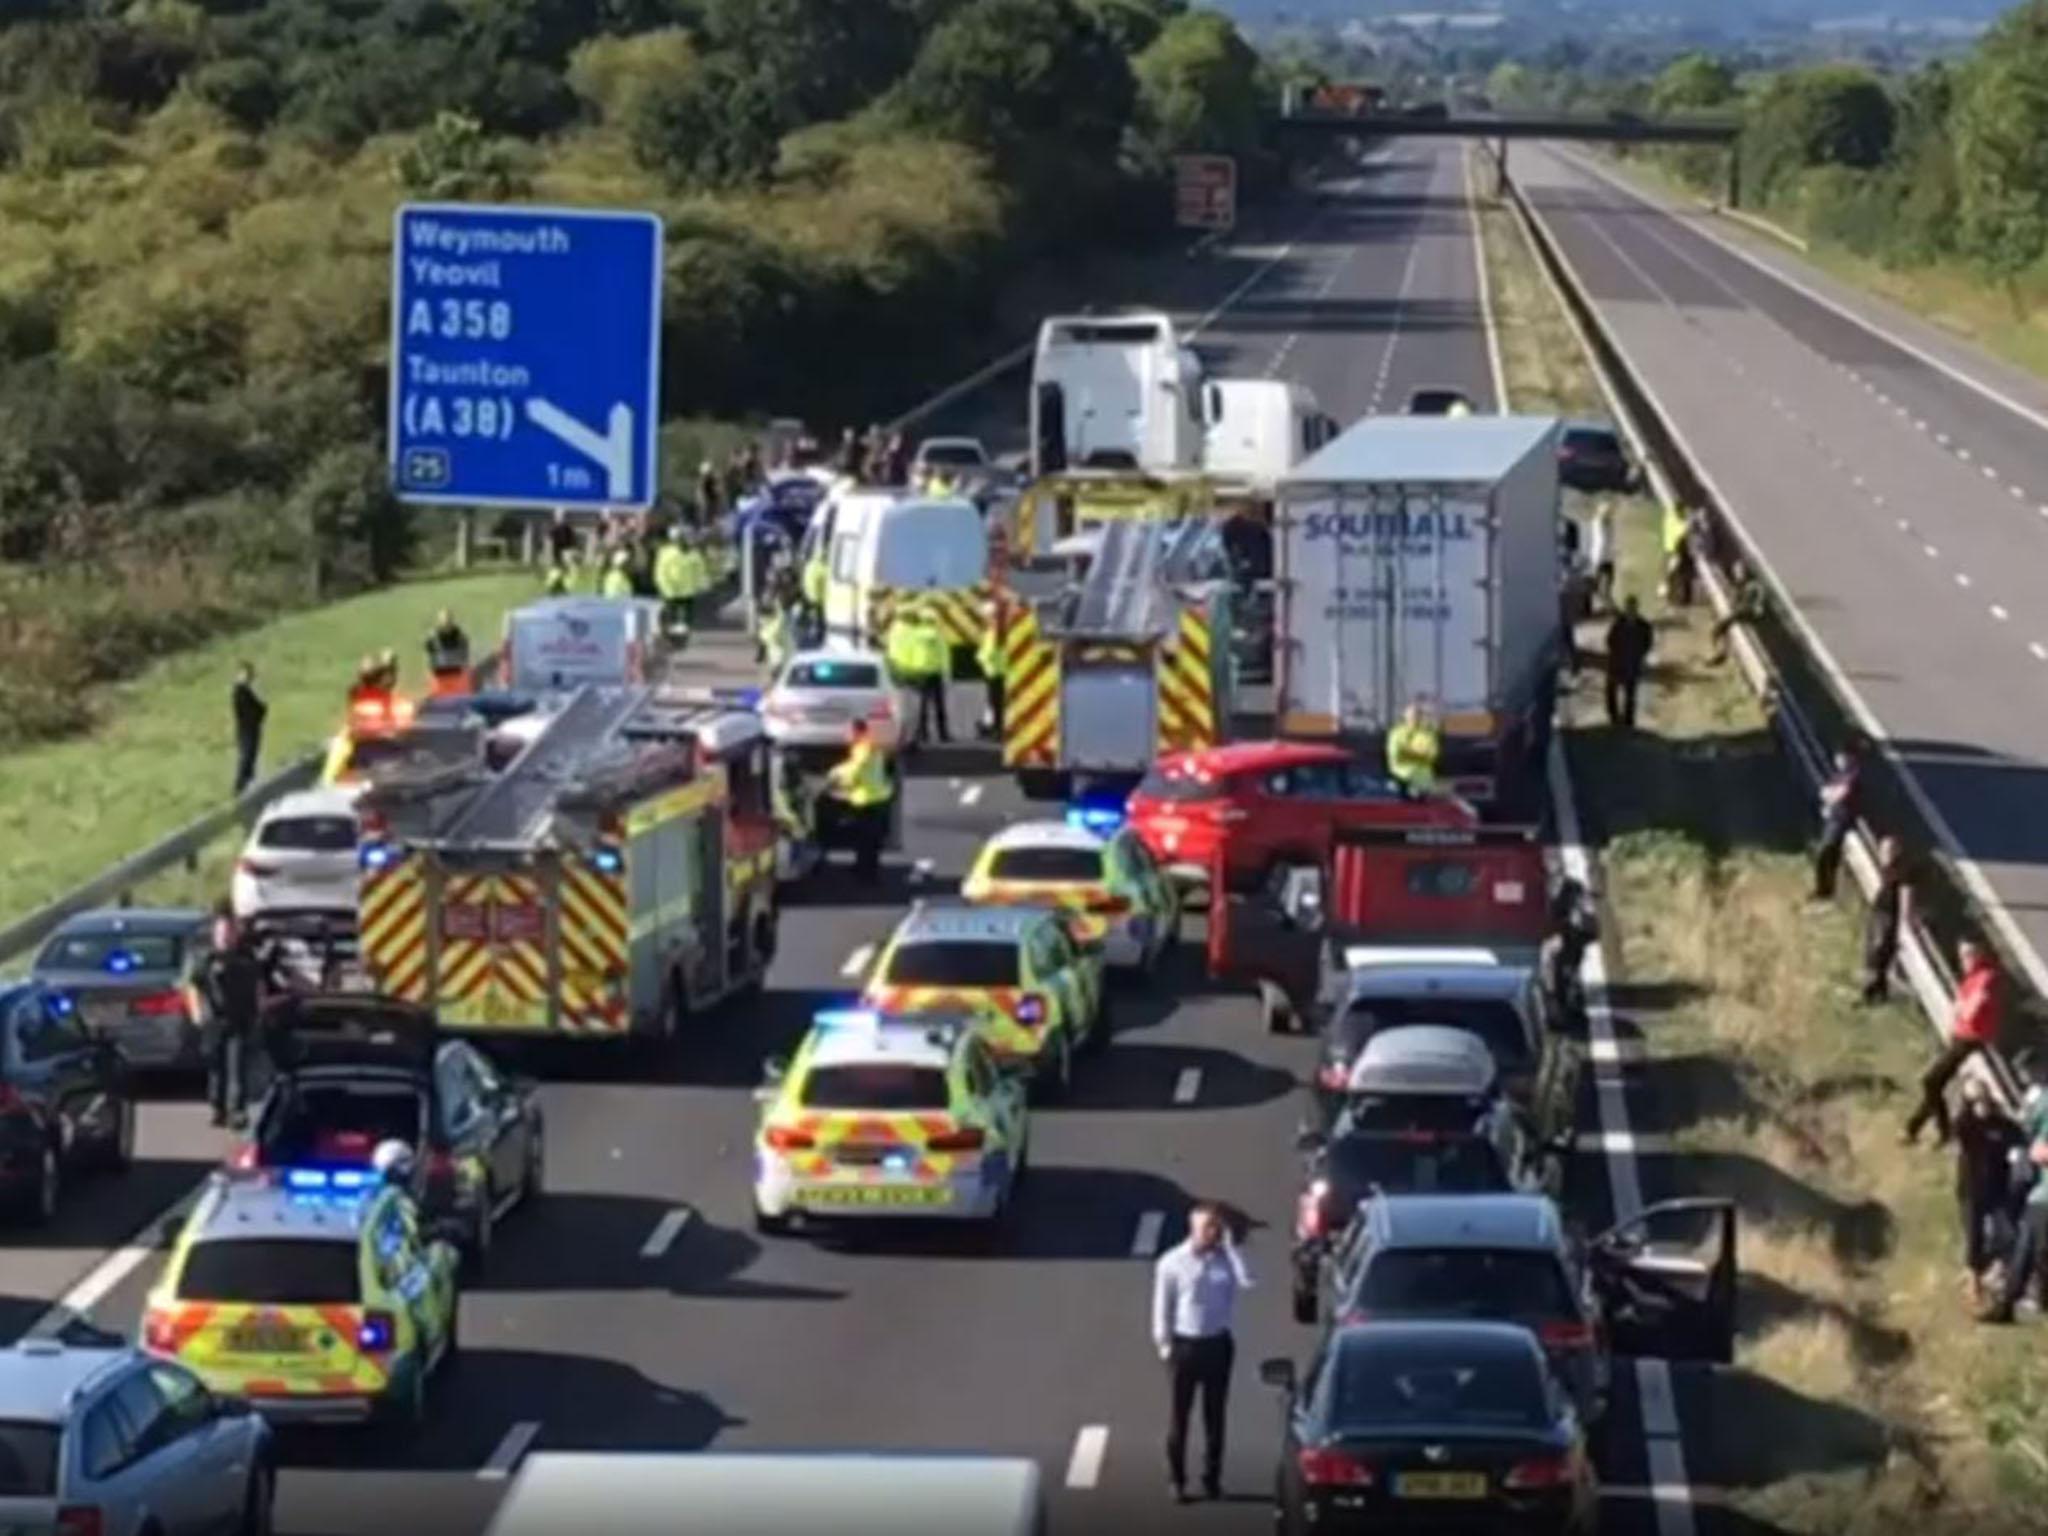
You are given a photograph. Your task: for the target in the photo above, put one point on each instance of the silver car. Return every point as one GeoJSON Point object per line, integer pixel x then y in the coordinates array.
{"type": "Point", "coordinates": [130, 971]}
{"type": "Point", "coordinates": [102, 1438]}
{"type": "Point", "coordinates": [819, 694]}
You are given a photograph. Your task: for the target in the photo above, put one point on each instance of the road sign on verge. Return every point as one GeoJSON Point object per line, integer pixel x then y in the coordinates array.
{"type": "Point", "coordinates": [1205, 191]}
{"type": "Point", "coordinates": [525, 355]}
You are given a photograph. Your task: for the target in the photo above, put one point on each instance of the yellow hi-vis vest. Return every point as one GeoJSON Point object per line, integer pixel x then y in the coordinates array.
{"type": "Point", "coordinates": [908, 655]}
{"type": "Point", "coordinates": [814, 583]}
{"type": "Point", "coordinates": [859, 778]}
{"type": "Point", "coordinates": [672, 573]}
{"type": "Point", "coordinates": [618, 583]}
{"type": "Point", "coordinates": [1412, 752]}
{"type": "Point", "coordinates": [988, 653]}
{"type": "Point", "coordinates": [696, 574]}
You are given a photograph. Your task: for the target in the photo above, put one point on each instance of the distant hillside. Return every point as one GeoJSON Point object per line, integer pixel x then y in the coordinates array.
{"type": "Point", "coordinates": [1721, 15]}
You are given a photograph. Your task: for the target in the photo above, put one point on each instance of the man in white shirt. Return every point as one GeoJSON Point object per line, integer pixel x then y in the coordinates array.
{"type": "Point", "coordinates": [1194, 1292]}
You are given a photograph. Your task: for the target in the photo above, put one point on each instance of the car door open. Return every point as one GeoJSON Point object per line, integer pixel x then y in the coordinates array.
{"type": "Point", "coordinates": [1667, 1279]}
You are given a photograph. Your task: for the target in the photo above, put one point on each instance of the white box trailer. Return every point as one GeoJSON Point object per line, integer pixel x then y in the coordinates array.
{"type": "Point", "coordinates": [1419, 560]}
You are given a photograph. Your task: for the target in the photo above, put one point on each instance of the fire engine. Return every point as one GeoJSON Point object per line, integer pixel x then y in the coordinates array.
{"type": "Point", "coordinates": [602, 865]}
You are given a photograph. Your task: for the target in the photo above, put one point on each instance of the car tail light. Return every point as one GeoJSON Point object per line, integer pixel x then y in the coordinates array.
{"type": "Point", "coordinates": [377, 1333]}
{"type": "Point", "coordinates": [1323, 1468]}
{"type": "Point", "coordinates": [783, 1139]}
{"type": "Point", "coordinates": [1566, 1335]}
{"type": "Point", "coordinates": [158, 1005]}
{"type": "Point", "coordinates": [883, 711]}
{"type": "Point", "coordinates": [255, 869]}
{"type": "Point", "coordinates": [968, 1140]}
{"type": "Point", "coordinates": [439, 1166]}
{"type": "Point", "coordinates": [1542, 1472]}
{"type": "Point", "coordinates": [1030, 1009]}
{"type": "Point", "coordinates": [79, 1520]}
{"type": "Point", "coordinates": [1334, 1074]}
{"type": "Point", "coordinates": [1310, 1220]}
{"type": "Point", "coordinates": [159, 1330]}
{"type": "Point", "coordinates": [245, 1158]}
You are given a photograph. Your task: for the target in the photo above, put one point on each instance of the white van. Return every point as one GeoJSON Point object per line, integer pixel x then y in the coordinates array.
{"type": "Point", "coordinates": [884, 542]}
{"type": "Point", "coordinates": [1259, 429]}
{"type": "Point", "coordinates": [570, 642]}
{"type": "Point", "coordinates": [665, 1493]}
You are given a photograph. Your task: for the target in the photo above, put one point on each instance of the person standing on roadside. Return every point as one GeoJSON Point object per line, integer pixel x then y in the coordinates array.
{"type": "Point", "coordinates": [1629, 642]}
{"type": "Point", "coordinates": [249, 711]}
{"type": "Point", "coordinates": [1839, 804]}
{"type": "Point", "coordinates": [1195, 1287]}
{"type": "Point", "coordinates": [1972, 1027]}
{"type": "Point", "coordinates": [2030, 1243]}
{"type": "Point", "coordinates": [1986, 1138]}
{"type": "Point", "coordinates": [234, 986]}
{"type": "Point", "coordinates": [1890, 907]}
{"type": "Point", "coordinates": [1600, 554]}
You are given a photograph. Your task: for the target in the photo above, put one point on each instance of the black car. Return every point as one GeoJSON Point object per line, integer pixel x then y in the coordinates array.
{"type": "Point", "coordinates": [1437, 400]}
{"type": "Point", "coordinates": [1590, 457]}
{"type": "Point", "coordinates": [65, 1103]}
{"type": "Point", "coordinates": [355, 1071]}
{"type": "Point", "coordinates": [1448, 1426]}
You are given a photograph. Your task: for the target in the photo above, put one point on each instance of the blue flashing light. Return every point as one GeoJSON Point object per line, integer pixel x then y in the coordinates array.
{"type": "Point", "coordinates": [1102, 819]}
{"type": "Point", "coordinates": [897, 1162]}
{"type": "Point", "coordinates": [122, 961]}
{"type": "Point", "coordinates": [375, 856]}
{"type": "Point", "coordinates": [373, 1334]}
{"type": "Point", "coordinates": [607, 861]}
{"type": "Point", "coordinates": [322, 1181]}
{"type": "Point", "coordinates": [847, 1018]}
{"type": "Point", "coordinates": [748, 698]}
{"type": "Point", "coordinates": [62, 1005]}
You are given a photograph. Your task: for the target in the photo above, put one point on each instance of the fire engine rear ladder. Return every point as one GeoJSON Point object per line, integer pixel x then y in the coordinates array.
{"type": "Point", "coordinates": [509, 811]}
{"type": "Point", "coordinates": [1128, 593]}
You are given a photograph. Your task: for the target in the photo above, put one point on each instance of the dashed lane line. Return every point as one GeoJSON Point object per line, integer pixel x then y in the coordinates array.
{"type": "Point", "coordinates": [971, 795]}
{"type": "Point", "coordinates": [105, 1277]}
{"type": "Point", "coordinates": [510, 1452]}
{"type": "Point", "coordinates": [1145, 1242]}
{"type": "Point", "coordinates": [665, 1232]}
{"type": "Point", "coordinates": [858, 960]}
{"type": "Point", "coordinates": [1187, 1085]}
{"type": "Point", "coordinates": [1084, 1467]}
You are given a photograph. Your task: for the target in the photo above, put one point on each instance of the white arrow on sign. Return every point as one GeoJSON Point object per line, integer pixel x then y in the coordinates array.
{"type": "Point", "coordinates": [613, 450]}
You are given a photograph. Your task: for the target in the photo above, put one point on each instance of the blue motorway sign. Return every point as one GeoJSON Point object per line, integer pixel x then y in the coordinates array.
{"type": "Point", "coordinates": [525, 355]}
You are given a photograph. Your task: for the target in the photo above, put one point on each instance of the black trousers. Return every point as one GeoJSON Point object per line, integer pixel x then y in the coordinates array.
{"type": "Point", "coordinates": [1879, 953]}
{"type": "Point", "coordinates": [1198, 1365]}
{"type": "Point", "coordinates": [246, 748]}
{"type": "Point", "coordinates": [1827, 861]}
{"type": "Point", "coordinates": [1934, 1087]}
{"type": "Point", "coordinates": [2030, 1245]}
{"type": "Point", "coordinates": [995, 707]}
{"type": "Point", "coordinates": [227, 1074]}
{"type": "Point", "coordinates": [1621, 696]}
{"type": "Point", "coordinates": [931, 707]}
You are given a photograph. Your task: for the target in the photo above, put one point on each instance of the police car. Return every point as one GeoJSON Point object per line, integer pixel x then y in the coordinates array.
{"type": "Point", "coordinates": [316, 1295]}
{"type": "Point", "coordinates": [1099, 872]}
{"type": "Point", "coordinates": [883, 1116]}
{"type": "Point", "coordinates": [1033, 987]}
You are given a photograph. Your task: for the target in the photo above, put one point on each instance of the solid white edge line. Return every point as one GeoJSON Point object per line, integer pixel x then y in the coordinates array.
{"type": "Point", "coordinates": [1145, 1241]}
{"type": "Point", "coordinates": [1486, 319]}
{"type": "Point", "coordinates": [1084, 1467]}
{"type": "Point", "coordinates": [665, 1232]}
{"type": "Point", "coordinates": [105, 1277]}
{"type": "Point", "coordinates": [858, 960]}
{"type": "Point", "coordinates": [511, 1450]}
{"type": "Point", "coordinates": [1187, 1085]}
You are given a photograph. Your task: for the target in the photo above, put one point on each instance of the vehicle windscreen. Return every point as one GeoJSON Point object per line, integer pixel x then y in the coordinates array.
{"type": "Point", "coordinates": [960, 454]}
{"type": "Point", "coordinates": [272, 1271]}
{"type": "Point", "coordinates": [1434, 402]}
{"type": "Point", "coordinates": [954, 963]}
{"type": "Point", "coordinates": [1591, 442]}
{"type": "Point", "coordinates": [1485, 1283]}
{"type": "Point", "coordinates": [937, 544]}
{"type": "Point", "coordinates": [319, 1123]}
{"type": "Point", "coordinates": [833, 674]}
{"type": "Point", "coordinates": [1069, 865]}
{"type": "Point", "coordinates": [1383, 1386]}
{"type": "Point", "coordinates": [1161, 784]}
{"type": "Point", "coordinates": [309, 834]}
{"type": "Point", "coordinates": [114, 952]}
{"type": "Point", "coordinates": [28, 1459]}
{"type": "Point", "coordinates": [1406, 1165]}
{"type": "Point", "coordinates": [1494, 1020]}
{"type": "Point", "coordinates": [876, 1085]}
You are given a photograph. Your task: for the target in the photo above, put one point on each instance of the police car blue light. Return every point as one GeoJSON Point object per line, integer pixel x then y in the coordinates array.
{"type": "Point", "coordinates": [607, 861]}
{"type": "Point", "coordinates": [122, 961]}
{"type": "Point", "coordinates": [320, 1181]}
{"type": "Point", "coordinates": [847, 1018]}
{"type": "Point", "coordinates": [375, 856]}
{"type": "Point", "coordinates": [1103, 819]}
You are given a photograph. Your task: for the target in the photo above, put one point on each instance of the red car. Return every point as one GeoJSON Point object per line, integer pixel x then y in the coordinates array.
{"type": "Point", "coordinates": [1264, 803]}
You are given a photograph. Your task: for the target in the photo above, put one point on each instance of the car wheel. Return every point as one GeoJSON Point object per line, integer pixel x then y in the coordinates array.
{"type": "Point", "coordinates": [482, 1231]}
{"type": "Point", "coordinates": [40, 1204]}
{"type": "Point", "coordinates": [258, 1502]}
{"type": "Point", "coordinates": [1103, 1025]}
{"type": "Point", "coordinates": [535, 1183]}
{"type": "Point", "coordinates": [1055, 1085]}
{"type": "Point", "coordinates": [770, 1226]}
{"type": "Point", "coordinates": [451, 1352]}
{"type": "Point", "coordinates": [119, 1149]}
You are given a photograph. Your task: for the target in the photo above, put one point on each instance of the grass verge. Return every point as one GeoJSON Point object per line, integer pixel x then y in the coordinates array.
{"type": "Point", "coordinates": [1864, 1394]}
{"type": "Point", "coordinates": [163, 751]}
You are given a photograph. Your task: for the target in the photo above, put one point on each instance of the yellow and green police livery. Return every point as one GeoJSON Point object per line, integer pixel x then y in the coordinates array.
{"type": "Point", "coordinates": [1033, 988]}
{"type": "Point", "coordinates": [879, 1116]}
{"type": "Point", "coordinates": [1103, 876]}
{"type": "Point", "coordinates": [311, 1293]}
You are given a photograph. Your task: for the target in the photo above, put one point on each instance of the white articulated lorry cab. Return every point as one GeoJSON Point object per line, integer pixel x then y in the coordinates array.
{"type": "Point", "coordinates": [1114, 392]}
{"type": "Point", "coordinates": [1419, 560]}
{"type": "Point", "coordinates": [1256, 430]}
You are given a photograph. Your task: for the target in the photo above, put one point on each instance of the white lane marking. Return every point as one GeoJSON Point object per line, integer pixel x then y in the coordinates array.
{"type": "Point", "coordinates": [971, 795]}
{"type": "Point", "coordinates": [1961, 453]}
{"type": "Point", "coordinates": [1932, 552]}
{"type": "Point", "coordinates": [858, 960]}
{"type": "Point", "coordinates": [1919, 425]}
{"type": "Point", "coordinates": [665, 1232]}
{"type": "Point", "coordinates": [510, 1451]}
{"type": "Point", "coordinates": [2040, 651]}
{"type": "Point", "coordinates": [2016, 492]}
{"type": "Point", "coordinates": [1486, 320]}
{"type": "Point", "coordinates": [921, 870]}
{"type": "Point", "coordinates": [1989, 473]}
{"type": "Point", "coordinates": [1621, 1052]}
{"type": "Point", "coordinates": [1084, 1467]}
{"type": "Point", "coordinates": [1999, 613]}
{"type": "Point", "coordinates": [105, 1277]}
{"type": "Point", "coordinates": [1253, 280]}
{"type": "Point", "coordinates": [1145, 1242]}
{"type": "Point", "coordinates": [1962, 580]}
{"type": "Point", "coordinates": [1187, 1085]}
{"type": "Point", "coordinates": [1904, 526]}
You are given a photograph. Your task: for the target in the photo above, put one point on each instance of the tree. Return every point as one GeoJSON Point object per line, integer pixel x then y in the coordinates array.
{"type": "Point", "coordinates": [1692, 83]}
{"type": "Point", "coordinates": [1133, 25]}
{"type": "Point", "coordinates": [719, 128]}
{"type": "Point", "coordinates": [1199, 88]}
{"type": "Point", "coordinates": [1512, 85]}
{"type": "Point", "coordinates": [2001, 144]}
{"type": "Point", "coordinates": [1835, 114]}
{"type": "Point", "coordinates": [452, 158]}
{"type": "Point", "coordinates": [824, 58]}
{"type": "Point", "coordinates": [627, 78]}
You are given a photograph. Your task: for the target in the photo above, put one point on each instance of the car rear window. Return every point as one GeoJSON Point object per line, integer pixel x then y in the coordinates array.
{"type": "Point", "coordinates": [28, 1459]}
{"type": "Point", "coordinates": [1591, 441]}
{"type": "Point", "coordinates": [1178, 784]}
{"type": "Point", "coordinates": [341, 1123]}
{"type": "Point", "coordinates": [1448, 1165]}
{"type": "Point", "coordinates": [876, 1086]}
{"type": "Point", "coordinates": [271, 1272]}
{"type": "Point", "coordinates": [952, 453]}
{"type": "Point", "coordinates": [309, 834]}
{"type": "Point", "coordinates": [1384, 1386]}
{"type": "Point", "coordinates": [955, 963]}
{"type": "Point", "coordinates": [1484, 1283]}
{"type": "Point", "coordinates": [1495, 1021]}
{"type": "Point", "coordinates": [1063, 864]}
{"type": "Point", "coordinates": [113, 952]}
{"type": "Point", "coordinates": [834, 674]}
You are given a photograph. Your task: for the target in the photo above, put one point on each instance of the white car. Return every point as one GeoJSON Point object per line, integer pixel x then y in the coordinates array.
{"type": "Point", "coordinates": [301, 857]}
{"type": "Point", "coordinates": [821, 693]}
{"type": "Point", "coordinates": [952, 454]}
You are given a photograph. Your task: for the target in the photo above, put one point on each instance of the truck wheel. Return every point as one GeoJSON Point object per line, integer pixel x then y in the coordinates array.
{"type": "Point", "coordinates": [765, 935]}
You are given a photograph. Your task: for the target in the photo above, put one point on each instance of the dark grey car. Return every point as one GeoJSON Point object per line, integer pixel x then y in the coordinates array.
{"type": "Point", "coordinates": [130, 972]}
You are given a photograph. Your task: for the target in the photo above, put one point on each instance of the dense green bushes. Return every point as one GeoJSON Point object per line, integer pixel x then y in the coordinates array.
{"type": "Point", "coordinates": [195, 213]}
